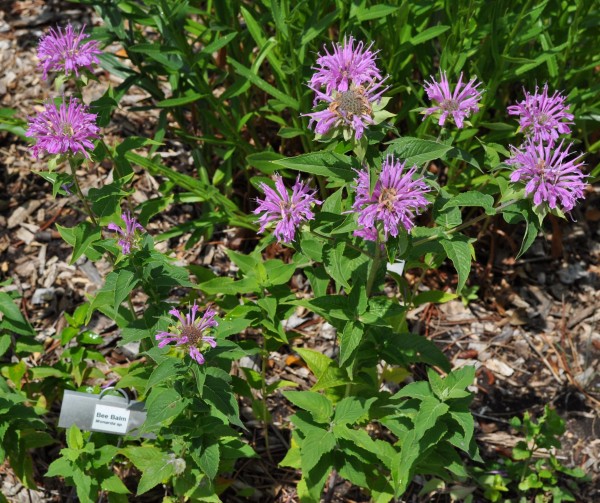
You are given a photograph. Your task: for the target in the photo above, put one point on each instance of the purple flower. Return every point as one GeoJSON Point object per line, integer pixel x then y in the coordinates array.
{"type": "Point", "coordinates": [352, 109]}
{"type": "Point", "coordinates": [68, 128]}
{"type": "Point", "coordinates": [459, 104]}
{"type": "Point", "coordinates": [128, 236]}
{"type": "Point", "coordinates": [189, 332]}
{"type": "Point", "coordinates": [548, 174]}
{"type": "Point", "coordinates": [396, 199]}
{"type": "Point", "coordinates": [288, 211]}
{"type": "Point", "coordinates": [345, 66]}
{"type": "Point", "coordinates": [543, 117]}
{"type": "Point", "coordinates": [65, 51]}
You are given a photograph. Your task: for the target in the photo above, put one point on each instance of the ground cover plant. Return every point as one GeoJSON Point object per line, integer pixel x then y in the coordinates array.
{"type": "Point", "coordinates": [350, 144]}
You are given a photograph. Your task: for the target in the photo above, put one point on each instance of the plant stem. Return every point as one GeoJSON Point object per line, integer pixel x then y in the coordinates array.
{"type": "Point", "coordinates": [264, 398]}
{"type": "Point", "coordinates": [465, 224]}
{"type": "Point", "coordinates": [80, 195]}
{"type": "Point", "coordinates": [374, 268]}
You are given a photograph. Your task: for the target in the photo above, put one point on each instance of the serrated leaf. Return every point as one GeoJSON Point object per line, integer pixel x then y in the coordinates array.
{"type": "Point", "coordinates": [314, 446]}
{"type": "Point", "coordinates": [319, 406]}
{"type": "Point", "coordinates": [209, 460]}
{"type": "Point", "coordinates": [460, 251]}
{"type": "Point", "coordinates": [416, 150]}
{"type": "Point", "coordinates": [352, 410]}
{"type": "Point", "coordinates": [472, 198]}
{"type": "Point", "coordinates": [327, 164]}
{"type": "Point", "coordinates": [82, 238]}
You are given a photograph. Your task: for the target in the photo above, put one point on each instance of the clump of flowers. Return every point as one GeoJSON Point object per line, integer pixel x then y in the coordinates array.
{"type": "Point", "coordinates": [190, 332]}
{"type": "Point", "coordinates": [66, 50]}
{"type": "Point", "coordinates": [548, 173]}
{"type": "Point", "coordinates": [543, 117]}
{"type": "Point", "coordinates": [68, 128]}
{"type": "Point", "coordinates": [395, 201]}
{"type": "Point", "coordinates": [289, 211]}
{"type": "Point", "coordinates": [128, 236]}
{"type": "Point", "coordinates": [459, 104]}
{"type": "Point", "coordinates": [345, 66]}
{"type": "Point", "coordinates": [353, 89]}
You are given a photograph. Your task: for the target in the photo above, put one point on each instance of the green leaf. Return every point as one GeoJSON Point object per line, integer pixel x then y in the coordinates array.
{"type": "Point", "coordinates": [228, 286]}
{"type": "Point", "coordinates": [318, 405]}
{"type": "Point", "coordinates": [116, 289]}
{"type": "Point", "coordinates": [352, 410]}
{"type": "Point", "coordinates": [209, 460]}
{"type": "Point", "coordinates": [83, 484]}
{"type": "Point", "coordinates": [327, 164]}
{"type": "Point", "coordinates": [106, 201]}
{"type": "Point", "coordinates": [430, 410]}
{"type": "Point", "coordinates": [74, 437]}
{"type": "Point", "coordinates": [261, 84]}
{"type": "Point", "coordinates": [163, 404]}
{"type": "Point", "coordinates": [434, 296]}
{"type": "Point", "coordinates": [12, 318]}
{"type": "Point", "coordinates": [218, 393]}
{"type": "Point", "coordinates": [153, 463]}
{"type": "Point", "coordinates": [375, 12]}
{"type": "Point", "coordinates": [189, 97]}
{"type": "Point", "coordinates": [16, 372]}
{"type": "Point", "coordinates": [219, 43]}
{"type": "Point", "coordinates": [314, 446]}
{"type": "Point", "coordinates": [429, 33]}
{"type": "Point", "coordinates": [417, 389]}
{"type": "Point", "coordinates": [460, 251]}
{"type": "Point", "coordinates": [167, 369]}
{"type": "Point", "coordinates": [416, 150]}
{"type": "Point", "coordinates": [82, 238]}
{"type": "Point", "coordinates": [472, 198]}
{"type": "Point", "coordinates": [350, 340]}
{"type": "Point", "coordinates": [455, 383]}
{"type": "Point", "coordinates": [115, 485]}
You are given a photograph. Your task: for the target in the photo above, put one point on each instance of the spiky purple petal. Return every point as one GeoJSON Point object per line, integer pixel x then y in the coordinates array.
{"type": "Point", "coordinates": [68, 128]}
{"type": "Point", "coordinates": [65, 50]}
{"type": "Point", "coordinates": [548, 173]}
{"type": "Point", "coordinates": [543, 117]}
{"type": "Point", "coordinates": [459, 104]}
{"type": "Point", "coordinates": [395, 201]}
{"type": "Point", "coordinates": [189, 331]}
{"type": "Point", "coordinates": [288, 211]}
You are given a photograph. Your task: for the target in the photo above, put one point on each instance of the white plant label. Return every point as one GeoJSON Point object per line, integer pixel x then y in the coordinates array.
{"type": "Point", "coordinates": [110, 419]}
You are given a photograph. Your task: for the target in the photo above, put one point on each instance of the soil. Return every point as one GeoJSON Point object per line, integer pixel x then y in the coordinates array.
{"type": "Point", "coordinates": [533, 332]}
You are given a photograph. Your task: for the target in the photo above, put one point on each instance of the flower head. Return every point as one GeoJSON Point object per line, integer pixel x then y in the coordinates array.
{"type": "Point", "coordinates": [351, 109]}
{"type": "Point", "coordinates": [344, 66]}
{"type": "Point", "coordinates": [289, 211]}
{"type": "Point", "coordinates": [543, 117]}
{"type": "Point", "coordinates": [548, 174]}
{"type": "Point", "coordinates": [189, 332]}
{"type": "Point", "coordinates": [459, 104]}
{"type": "Point", "coordinates": [65, 50]}
{"type": "Point", "coordinates": [396, 199]}
{"type": "Point", "coordinates": [70, 128]}
{"type": "Point", "coordinates": [128, 236]}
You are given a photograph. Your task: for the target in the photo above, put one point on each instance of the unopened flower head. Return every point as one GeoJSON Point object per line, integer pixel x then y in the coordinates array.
{"type": "Point", "coordinates": [127, 236]}
{"type": "Point", "coordinates": [66, 129]}
{"type": "Point", "coordinates": [66, 50]}
{"type": "Point", "coordinates": [543, 117]}
{"type": "Point", "coordinates": [289, 211]}
{"type": "Point", "coordinates": [190, 332]}
{"type": "Point", "coordinates": [548, 173]}
{"type": "Point", "coordinates": [345, 66]}
{"type": "Point", "coordinates": [351, 109]}
{"type": "Point", "coordinates": [460, 104]}
{"type": "Point", "coordinates": [395, 201]}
